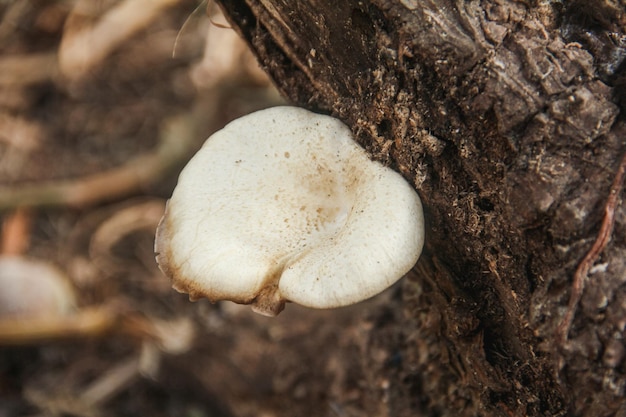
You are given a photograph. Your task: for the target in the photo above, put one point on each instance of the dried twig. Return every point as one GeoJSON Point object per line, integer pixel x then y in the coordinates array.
{"type": "Point", "coordinates": [13, 13]}
{"type": "Point", "coordinates": [604, 235]}
{"type": "Point", "coordinates": [178, 138]}
{"type": "Point", "coordinates": [85, 323]}
{"type": "Point", "coordinates": [24, 70]}
{"type": "Point", "coordinates": [58, 401]}
{"type": "Point", "coordinates": [15, 236]}
{"type": "Point", "coordinates": [83, 48]}
{"type": "Point", "coordinates": [111, 382]}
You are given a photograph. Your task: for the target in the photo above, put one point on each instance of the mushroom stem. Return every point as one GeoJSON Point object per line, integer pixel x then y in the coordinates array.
{"type": "Point", "coordinates": [269, 302]}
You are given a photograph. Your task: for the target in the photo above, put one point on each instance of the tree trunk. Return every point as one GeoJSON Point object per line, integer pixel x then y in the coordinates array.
{"type": "Point", "coordinates": [505, 116]}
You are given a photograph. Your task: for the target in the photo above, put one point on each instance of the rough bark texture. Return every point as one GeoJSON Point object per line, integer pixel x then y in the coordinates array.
{"type": "Point", "coordinates": [505, 115]}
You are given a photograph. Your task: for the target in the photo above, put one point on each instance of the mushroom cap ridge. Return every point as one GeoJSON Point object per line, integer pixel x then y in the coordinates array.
{"type": "Point", "coordinates": [282, 205]}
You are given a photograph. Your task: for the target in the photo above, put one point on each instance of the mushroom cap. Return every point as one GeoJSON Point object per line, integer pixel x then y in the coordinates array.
{"type": "Point", "coordinates": [283, 205]}
{"type": "Point", "coordinates": [33, 288]}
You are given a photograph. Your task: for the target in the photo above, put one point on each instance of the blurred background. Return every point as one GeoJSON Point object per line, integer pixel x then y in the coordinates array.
{"type": "Point", "coordinates": [102, 102]}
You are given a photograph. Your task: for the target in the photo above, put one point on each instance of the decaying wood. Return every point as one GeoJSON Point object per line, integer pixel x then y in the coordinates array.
{"type": "Point", "coordinates": [506, 116]}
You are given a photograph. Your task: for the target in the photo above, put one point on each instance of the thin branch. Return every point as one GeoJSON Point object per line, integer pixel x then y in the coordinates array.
{"type": "Point", "coordinates": [83, 47]}
{"type": "Point", "coordinates": [177, 141]}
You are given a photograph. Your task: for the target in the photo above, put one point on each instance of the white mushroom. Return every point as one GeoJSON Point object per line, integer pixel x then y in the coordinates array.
{"type": "Point", "coordinates": [283, 205]}
{"type": "Point", "coordinates": [32, 289]}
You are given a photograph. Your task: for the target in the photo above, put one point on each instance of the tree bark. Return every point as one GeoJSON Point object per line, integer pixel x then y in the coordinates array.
{"type": "Point", "coordinates": [505, 116]}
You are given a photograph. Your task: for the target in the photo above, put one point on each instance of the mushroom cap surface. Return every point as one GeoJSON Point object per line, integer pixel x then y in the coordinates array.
{"type": "Point", "coordinates": [31, 289]}
{"type": "Point", "coordinates": [283, 205]}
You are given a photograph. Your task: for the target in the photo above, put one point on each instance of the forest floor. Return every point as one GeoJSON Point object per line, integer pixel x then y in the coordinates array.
{"type": "Point", "coordinates": [101, 104]}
